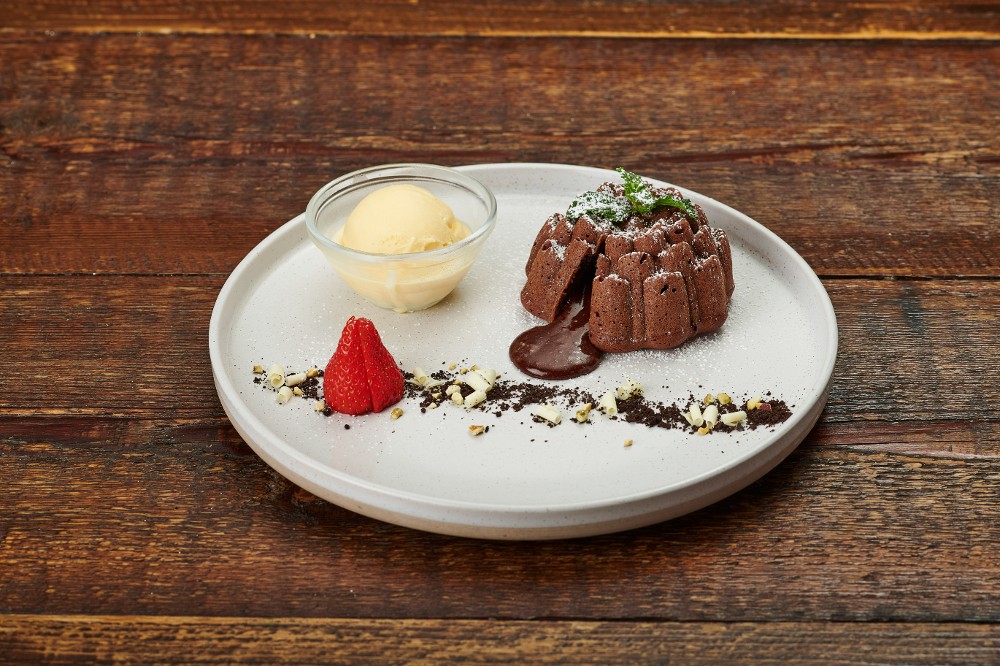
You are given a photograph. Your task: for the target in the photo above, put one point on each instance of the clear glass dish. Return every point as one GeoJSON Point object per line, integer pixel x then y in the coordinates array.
{"type": "Point", "coordinates": [402, 282]}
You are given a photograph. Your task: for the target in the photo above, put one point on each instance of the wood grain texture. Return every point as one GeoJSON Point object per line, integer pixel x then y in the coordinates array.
{"type": "Point", "coordinates": [146, 147]}
{"type": "Point", "coordinates": [149, 153]}
{"type": "Point", "coordinates": [137, 517]}
{"type": "Point", "coordinates": [148, 640]}
{"type": "Point", "coordinates": [880, 19]}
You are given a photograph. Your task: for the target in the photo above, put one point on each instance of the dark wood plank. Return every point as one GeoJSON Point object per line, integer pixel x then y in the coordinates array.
{"type": "Point", "coordinates": [173, 517]}
{"type": "Point", "coordinates": [787, 19]}
{"type": "Point", "coordinates": [911, 352]}
{"type": "Point", "coordinates": [149, 154]}
{"type": "Point", "coordinates": [102, 639]}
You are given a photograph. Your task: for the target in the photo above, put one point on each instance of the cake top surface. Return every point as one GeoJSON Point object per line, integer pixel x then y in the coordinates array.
{"type": "Point", "coordinates": [632, 205]}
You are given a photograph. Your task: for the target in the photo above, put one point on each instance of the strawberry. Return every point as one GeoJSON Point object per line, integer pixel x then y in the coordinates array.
{"type": "Point", "coordinates": [361, 376]}
{"type": "Point", "coordinates": [345, 382]}
{"type": "Point", "coordinates": [385, 380]}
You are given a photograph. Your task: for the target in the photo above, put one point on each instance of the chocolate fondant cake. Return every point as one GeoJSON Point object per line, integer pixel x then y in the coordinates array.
{"type": "Point", "coordinates": [658, 273]}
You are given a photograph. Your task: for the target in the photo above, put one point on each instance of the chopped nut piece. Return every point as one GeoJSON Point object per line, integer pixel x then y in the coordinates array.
{"type": "Point", "coordinates": [462, 370]}
{"type": "Point", "coordinates": [733, 419]}
{"type": "Point", "coordinates": [298, 391]}
{"type": "Point", "coordinates": [457, 398]}
{"type": "Point", "coordinates": [473, 367]}
{"type": "Point", "coordinates": [704, 430]}
{"type": "Point", "coordinates": [548, 413]}
{"type": "Point", "coordinates": [753, 403]}
{"type": "Point", "coordinates": [258, 369]}
{"type": "Point", "coordinates": [711, 415]}
{"type": "Point", "coordinates": [319, 405]}
{"type": "Point", "coordinates": [724, 399]}
{"type": "Point", "coordinates": [453, 389]}
{"type": "Point", "coordinates": [477, 430]}
{"type": "Point", "coordinates": [396, 413]}
{"type": "Point", "coordinates": [312, 372]}
{"type": "Point", "coordinates": [708, 399]}
{"type": "Point", "coordinates": [583, 413]}
{"type": "Point", "coordinates": [452, 366]}
{"type": "Point", "coordinates": [296, 379]}
{"type": "Point", "coordinates": [607, 403]}
{"type": "Point", "coordinates": [433, 405]}
{"type": "Point", "coordinates": [284, 395]}
{"type": "Point", "coordinates": [474, 398]}
{"type": "Point", "coordinates": [436, 396]}
{"type": "Point", "coordinates": [628, 442]}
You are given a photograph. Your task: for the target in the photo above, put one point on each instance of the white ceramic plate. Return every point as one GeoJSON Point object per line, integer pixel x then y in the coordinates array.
{"type": "Point", "coordinates": [521, 480]}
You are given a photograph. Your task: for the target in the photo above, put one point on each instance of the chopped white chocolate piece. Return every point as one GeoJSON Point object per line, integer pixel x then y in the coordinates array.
{"type": "Point", "coordinates": [711, 415]}
{"type": "Point", "coordinates": [457, 398]}
{"type": "Point", "coordinates": [754, 402]}
{"type": "Point", "coordinates": [396, 413]}
{"type": "Point", "coordinates": [477, 381]}
{"type": "Point", "coordinates": [433, 405]}
{"type": "Point", "coordinates": [420, 377]}
{"type": "Point", "coordinates": [296, 379]}
{"type": "Point", "coordinates": [607, 403]}
{"type": "Point", "coordinates": [489, 374]}
{"type": "Point", "coordinates": [319, 405]}
{"type": "Point", "coordinates": [548, 413]}
{"type": "Point", "coordinates": [453, 389]}
{"type": "Point", "coordinates": [298, 391]}
{"type": "Point", "coordinates": [474, 398]}
{"type": "Point", "coordinates": [583, 413]}
{"type": "Point", "coordinates": [733, 419]}
{"type": "Point", "coordinates": [724, 399]}
{"type": "Point", "coordinates": [628, 443]}
{"type": "Point", "coordinates": [628, 389]}
{"type": "Point", "coordinates": [696, 417]}
{"type": "Point", "coordinates": [708, 399]}
{"type": "Point", "coordinates": [275, 375]}
{"type": "Point", "coordinates": [312, 372]}
{"type": "Point", "coordinates": [284, 394]}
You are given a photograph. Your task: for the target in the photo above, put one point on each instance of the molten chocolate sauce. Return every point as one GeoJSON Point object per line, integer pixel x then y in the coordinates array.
{"type": "Point", "coordinates": [562, 349]}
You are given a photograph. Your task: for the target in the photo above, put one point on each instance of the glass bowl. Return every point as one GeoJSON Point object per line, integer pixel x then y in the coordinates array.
{"type": "Point", "coordinates": [402, 282]}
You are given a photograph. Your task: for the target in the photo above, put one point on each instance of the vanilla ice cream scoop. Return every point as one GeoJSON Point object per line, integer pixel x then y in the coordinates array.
{"type": "Point", "coordinates": [399, 219]}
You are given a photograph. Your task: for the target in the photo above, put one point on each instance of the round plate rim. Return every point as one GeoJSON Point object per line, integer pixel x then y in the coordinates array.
{"type": "Point", "coordinates": [493, 520]}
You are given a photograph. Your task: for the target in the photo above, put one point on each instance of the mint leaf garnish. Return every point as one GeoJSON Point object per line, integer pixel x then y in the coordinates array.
{"type": "Point", "coordinates": [638, 200]}
{"type": "Point", "coordinates": [643, 201]}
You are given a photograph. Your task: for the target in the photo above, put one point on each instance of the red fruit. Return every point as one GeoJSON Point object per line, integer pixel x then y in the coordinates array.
{"type": "Point", "coordinates": [385, 380]}
{"type": "Point", "coordinates": [361, 376]}
{"type": "Point", "coordinates": [345, 381]}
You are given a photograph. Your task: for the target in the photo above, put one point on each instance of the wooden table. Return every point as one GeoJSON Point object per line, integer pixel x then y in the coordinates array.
{"type": "Point", "coordinates": [146, 147]}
